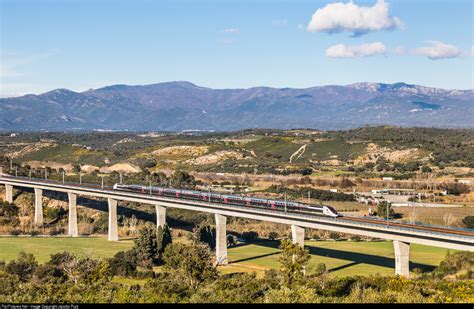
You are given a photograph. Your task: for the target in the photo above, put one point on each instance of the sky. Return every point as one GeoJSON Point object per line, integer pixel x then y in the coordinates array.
{"type": "Point", "coordinates": [79, 45]}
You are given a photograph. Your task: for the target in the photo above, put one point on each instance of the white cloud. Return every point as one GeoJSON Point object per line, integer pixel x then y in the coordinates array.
{"type": "Point", "coordinates": [364, 50]}
{"type": "Point", "coordinates": [232, 30]}
{"type": "Point", "coordinates": [337, 17]}
{"type": "Point", "coordinates": [438, 50]}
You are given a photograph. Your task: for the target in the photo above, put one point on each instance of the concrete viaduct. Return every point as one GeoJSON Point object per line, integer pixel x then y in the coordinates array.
{"type": "Point", "coordinates": [402, 237]}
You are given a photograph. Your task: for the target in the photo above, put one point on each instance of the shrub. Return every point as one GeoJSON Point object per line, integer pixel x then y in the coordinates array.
{"type": "Point", "coordinates": [468, 222]}
{"type": "Point", "coordinates": [355, 238]}
{"type": "Point", "coordinates": [231, 240]}
{"type": "Point", "coordinates": [23, 267]}
{"type": "Point", "coordinates": [334, 235]}
{"type": "Point", "coordinates": [15, 232]}
{"type": "Point", "coordinates": [205, 234]}
{"type": "Point", "coordinates": [272, 235]}
{"type": "Point", "coordinates": [250, 236]}
{"type": "Point", "coordinates": [124, 263]}
{"type": "Point", "coordinates": [320, 269]}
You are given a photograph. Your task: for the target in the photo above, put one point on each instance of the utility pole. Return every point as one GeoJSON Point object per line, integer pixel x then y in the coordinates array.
{"type": "Point", "coordinates": [150, 186]}
{"type": "Point", "coordinates": [285, 201]}
{"type": "Point", "coordinates": [121, 178]}
{"type": "Point", "coordinates": [80, 178]}
{"type": "Point", "coordinates": [102, 182]}
{"type": "Point", "coordinates": [387, 213]}
{"type": "Point", "coordinates": [30, 173]}
{"type": "Point", "coordinates": [63, 177]}
{"type": "Point", "coordinates": [45, 175]}
{"type": "Point", "coordinates": [16, 171]}
{"type": "Point", "coordinates": [309, 197]}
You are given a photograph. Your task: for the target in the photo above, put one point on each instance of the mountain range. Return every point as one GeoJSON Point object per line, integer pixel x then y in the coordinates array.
{"type": "Point", "coordinates": [176, 106]}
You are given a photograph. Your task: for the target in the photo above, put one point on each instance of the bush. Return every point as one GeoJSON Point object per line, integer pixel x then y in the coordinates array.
{"type": "Point", "coordinates": [355, 238]}
{"type": "Point", "coordinates": [231, 240]}
{"type": "Point", "coordinates": [23, 267]}
{"type": "Point", "coordinates": [124, 263]}
{"type": "Point", "coordinates": [15, 232]}
{"type": "Point", "coordinates": [34, 233]}
{"type": "Point", "coordinates": [468, 222]}
{"type": "Point", "coordinates": [334, 235]}
{"type": "Point", "coordinates": [249, 236]}
{"type": "Point", "coordinates": [272, 235]}
{"type": "Point", "coordinates": [205, 234]}
{"type": "Point", "coordinates": [192, 262]}
{"type": "Point", "coordinates": [320, 269]}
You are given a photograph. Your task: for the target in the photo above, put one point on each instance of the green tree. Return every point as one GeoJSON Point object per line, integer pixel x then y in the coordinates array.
{"type": "Point", "coordinates": [382, 210]}
{"type": "Point", "coordinates": [293, 260]}
{"type": "Point", "coordinates": [193, 263]}
{"type": "Point", "coordinates": [124, 263]}
{"type": "Point", "coordinates": [146, 247]}
{"type": "Point", "coordinates": [205, 234]}
{"type": "Point", "coordinates": [163, 238]}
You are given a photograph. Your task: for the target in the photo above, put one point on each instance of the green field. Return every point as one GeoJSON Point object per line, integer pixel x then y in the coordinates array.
{"type": "Point", "coordinates": [42, 248]}
{"type": "Point", "coordinates": [342, 258]}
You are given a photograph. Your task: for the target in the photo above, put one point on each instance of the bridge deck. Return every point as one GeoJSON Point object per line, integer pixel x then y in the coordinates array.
{"type": "Point", "coordinates": [462, 239]}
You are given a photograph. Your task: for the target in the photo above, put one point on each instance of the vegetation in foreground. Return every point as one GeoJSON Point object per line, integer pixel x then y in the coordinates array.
{"type": "Point", "coordinates": [190, 275]}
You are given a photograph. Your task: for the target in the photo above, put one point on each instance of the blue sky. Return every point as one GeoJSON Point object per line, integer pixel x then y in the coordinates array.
{"type": "Point", "coordinates": [49, 44]}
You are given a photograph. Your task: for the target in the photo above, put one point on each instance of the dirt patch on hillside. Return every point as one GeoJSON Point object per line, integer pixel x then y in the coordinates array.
{"type": "Point", "coordinates": [374, 152]}
{"type": "Point", "coordinates": [193, 151]}
{"type": "Point", "coordinates": [53, 165]}
{"type": "Point", "coordinates": [332, 162]}
{"type": "Point", "coordinates": [216, 157]}
{"type": "Point", "coordinates": [89, 168]}
{"type": "Point", "coordinates": [29, 149]}
{"type": "Point", "coordinates": [121, 168]}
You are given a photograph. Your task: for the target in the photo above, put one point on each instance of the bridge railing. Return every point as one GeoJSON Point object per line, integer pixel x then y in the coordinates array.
{"type": "Point", "coordinates": [294, 215]}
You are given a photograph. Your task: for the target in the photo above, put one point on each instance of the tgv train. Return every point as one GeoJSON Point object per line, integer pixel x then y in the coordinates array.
{"type": "Point", "coordinates": [322, 210]}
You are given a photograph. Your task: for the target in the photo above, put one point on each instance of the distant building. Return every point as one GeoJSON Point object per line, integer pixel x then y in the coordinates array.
{"type": "Point", "coordinates": [333, 190]}
{"type": "Point", "coordinates": [387, 178]}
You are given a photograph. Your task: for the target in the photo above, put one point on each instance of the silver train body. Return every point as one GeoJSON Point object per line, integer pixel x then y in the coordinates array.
{"type": "Point", "coordinates": [248, 201]}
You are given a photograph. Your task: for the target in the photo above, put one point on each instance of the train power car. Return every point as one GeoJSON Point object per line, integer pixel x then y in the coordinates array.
{"type": "Point", "coordinates": [322, 210]}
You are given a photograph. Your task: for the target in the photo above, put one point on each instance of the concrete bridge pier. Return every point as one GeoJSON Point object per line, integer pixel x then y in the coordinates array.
{"type": "Point", "coordinates": [9, 193]}
{"type": "Point", "coordinates": [160, 215]}
{"type": "Point", "coordinates": [221, 240]}
{"type": "Point", "coordinates": [72, 220]}
{"type": "Point", "coordinates": [38, 207]}
{"type": "Point", "coordinates": [402, 258]}
{"type": "Point", "coordinates": [113, 225]}
{"type": "Point", "coordinates": [297, 234]}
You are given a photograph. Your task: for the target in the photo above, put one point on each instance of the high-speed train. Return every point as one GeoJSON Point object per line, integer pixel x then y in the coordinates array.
{"type": "Point", "coordinates": [248, 201]}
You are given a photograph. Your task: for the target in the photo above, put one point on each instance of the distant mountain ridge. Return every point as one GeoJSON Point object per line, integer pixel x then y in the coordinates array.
{"type": "Point", "coordinates": [177, 106]}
